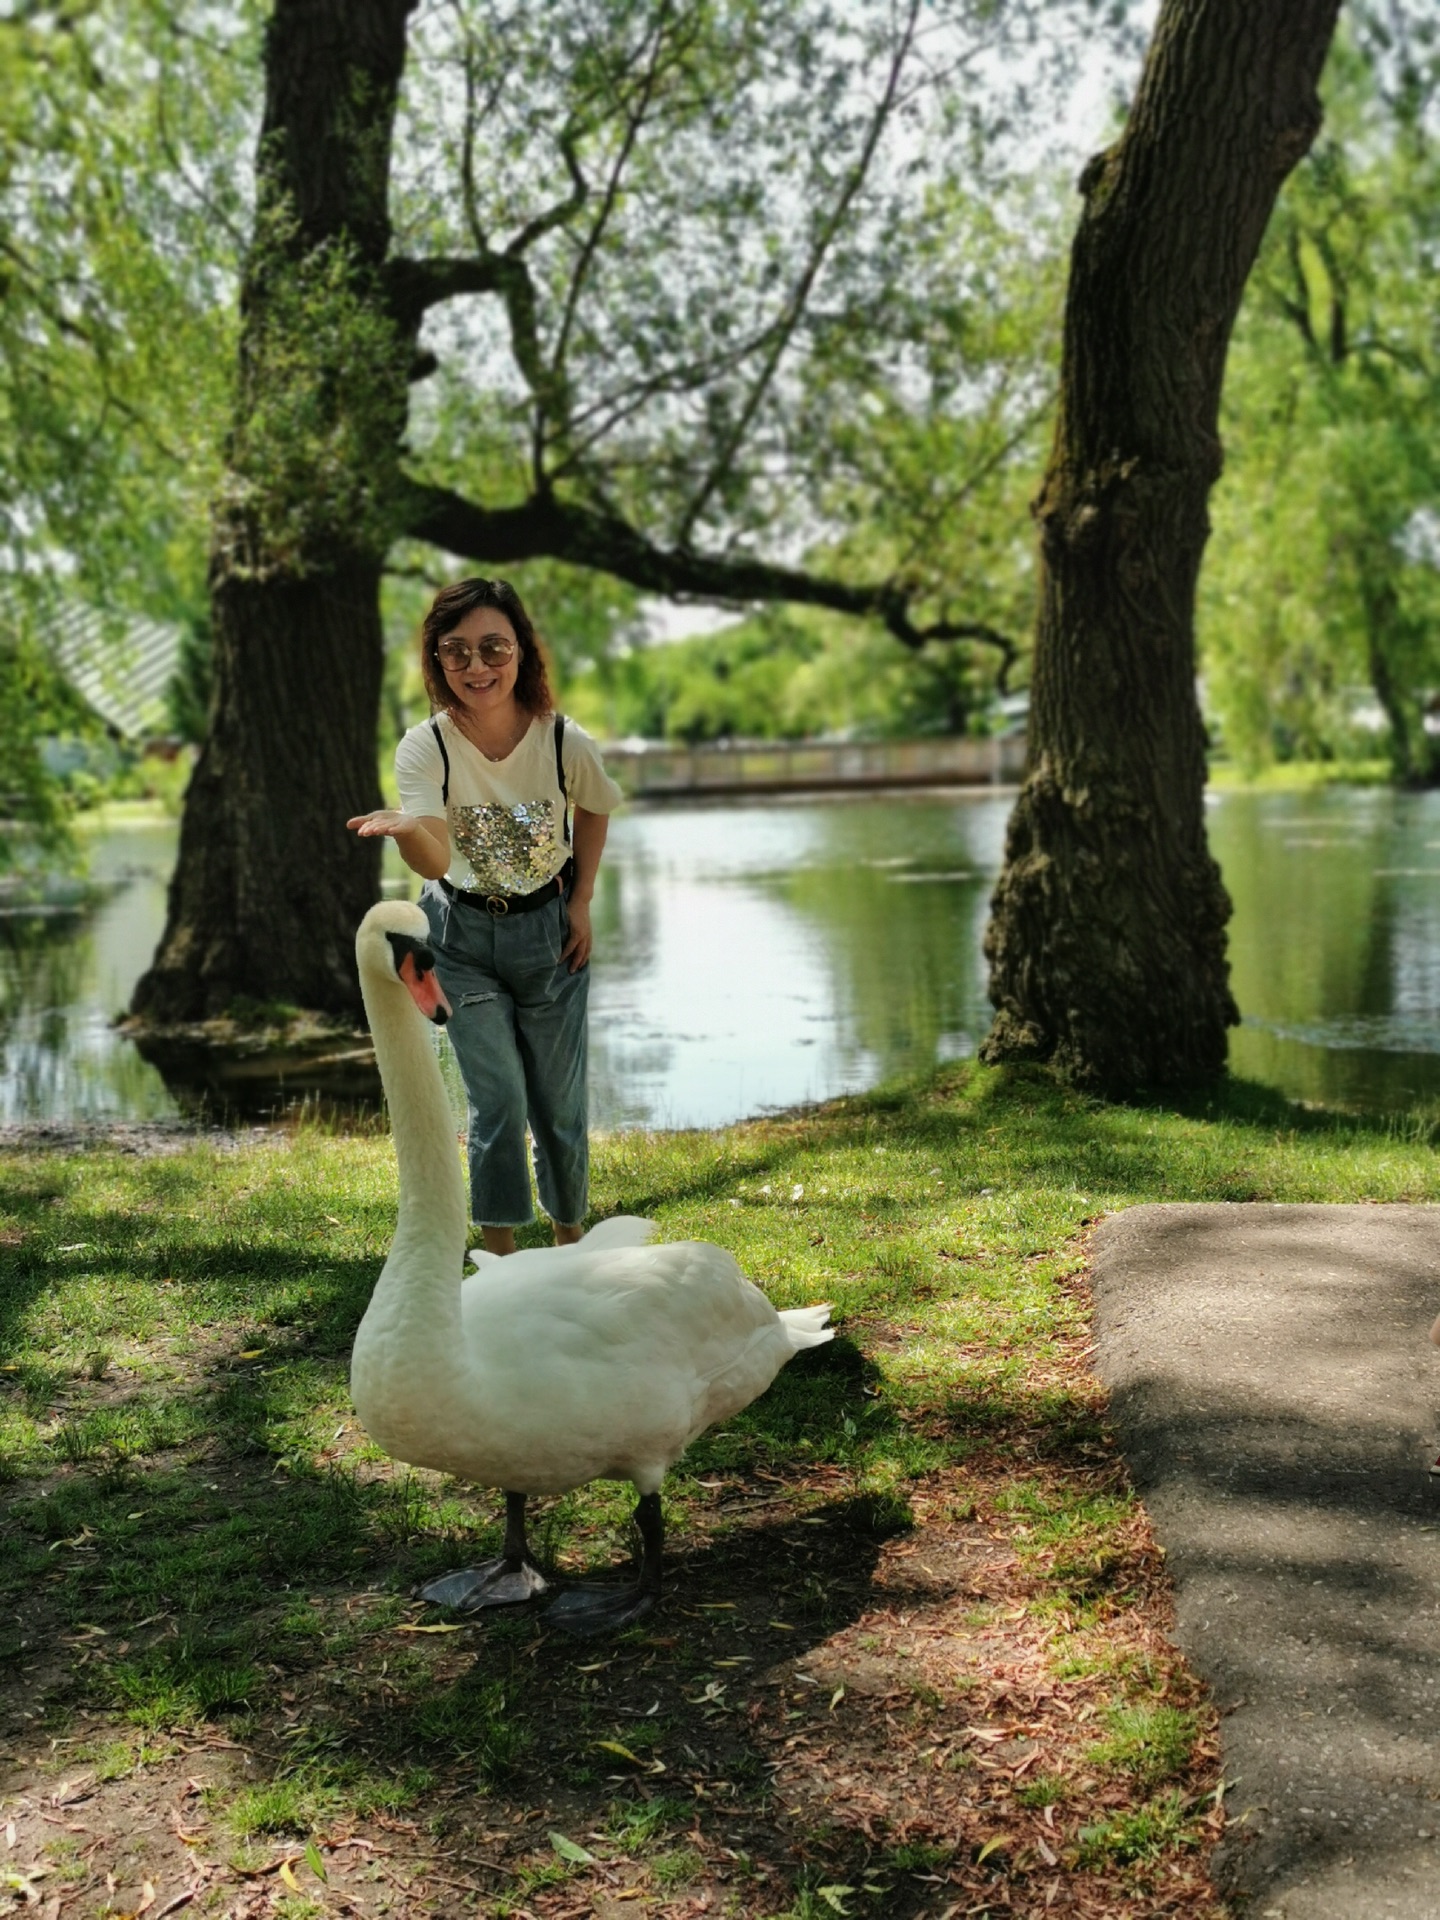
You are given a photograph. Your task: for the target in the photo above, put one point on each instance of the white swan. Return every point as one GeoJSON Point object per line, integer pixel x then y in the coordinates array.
{"type": "Point", "coordinates": [547, 1368]}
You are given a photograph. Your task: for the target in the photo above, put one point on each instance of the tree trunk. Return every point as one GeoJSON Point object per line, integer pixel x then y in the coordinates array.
{"type": "Point", "coordinates": [1375, 566]}
{"type": "Point", "coordinates": [1107, 931]}
{"type": "Point", "coordinates": [269, 886]}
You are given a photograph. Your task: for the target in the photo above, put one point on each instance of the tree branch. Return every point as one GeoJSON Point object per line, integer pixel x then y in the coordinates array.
{"type": "Point", "coordinates": [469, 197]}
{"type": "Point", "coordinates": [795, 307]}
{"type": "Point", "coordinates": [550, 529]}
{"type": "Point", "coordinates": [1335, 274]}
{"type": "Point", "coordinates": [924, 520]}
{"type": "Point", "coordinates": [178, 167]}
{"type": "Point", "coordinates": [977, 630]}
{"type": "Point", "coordinates": [557, 384]}
{"type": "Point", "coordinates": [94, 338]}
{"type": "Point", "coordinates": [620, 404]}
{"type": "Point", "coordinates": [1298, 308]}
{"type": "Point", "coordinates": [564, 210]}
{"type": "Point", "coordinates": [414, 286]}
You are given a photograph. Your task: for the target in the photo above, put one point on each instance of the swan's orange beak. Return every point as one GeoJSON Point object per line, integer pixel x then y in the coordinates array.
{"type": "Point", "coordinates": [423, 984]}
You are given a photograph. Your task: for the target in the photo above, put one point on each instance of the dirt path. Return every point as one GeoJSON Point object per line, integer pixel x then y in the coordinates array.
{"type": "Point", "coordinates": [1280, 1407]}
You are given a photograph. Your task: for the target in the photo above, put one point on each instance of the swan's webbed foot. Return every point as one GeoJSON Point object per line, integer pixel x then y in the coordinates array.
{"type": "Point", "coordinates": [507, 1582]}
{"type": "Point", "coordinates": [587, 1611]}
{"type": "Point", "coordinates": [495, 1583]}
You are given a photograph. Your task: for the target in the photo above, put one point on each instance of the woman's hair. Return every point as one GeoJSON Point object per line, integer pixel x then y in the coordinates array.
{"type": "Point", "coordinates": [449, 608]}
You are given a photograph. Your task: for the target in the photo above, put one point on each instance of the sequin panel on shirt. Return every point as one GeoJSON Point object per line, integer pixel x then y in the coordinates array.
{"type": "Point", "coordinates": [510, 849]}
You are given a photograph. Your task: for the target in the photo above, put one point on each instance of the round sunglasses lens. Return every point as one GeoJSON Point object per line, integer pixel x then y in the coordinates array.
{"type": "Point", "coordinates": [455, 655]}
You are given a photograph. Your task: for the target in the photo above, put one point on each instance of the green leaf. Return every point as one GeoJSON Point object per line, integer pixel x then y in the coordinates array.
{"type": "Point", "coordinates": [571, 1850]}
{"type": "Point", "coordinates": [314, 1861]}
{"type": "Point", "coordinates": [834, 1896]}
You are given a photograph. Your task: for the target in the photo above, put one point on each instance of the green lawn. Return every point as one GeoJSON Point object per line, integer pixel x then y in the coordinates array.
{"type": "Point", "coordinates": [202, 1551]}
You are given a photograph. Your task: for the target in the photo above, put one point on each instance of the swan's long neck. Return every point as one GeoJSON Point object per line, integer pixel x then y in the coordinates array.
{"type": "Point", "coordinates": [418, 1293]}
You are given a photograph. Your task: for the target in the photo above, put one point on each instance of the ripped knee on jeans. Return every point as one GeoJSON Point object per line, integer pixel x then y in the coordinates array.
{"type": "Point", "coordinates": [476, 999]}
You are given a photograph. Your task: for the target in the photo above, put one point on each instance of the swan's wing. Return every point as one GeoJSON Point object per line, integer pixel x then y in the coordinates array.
{"type": "Point", "coordinates": [624, 1230]}
{"type": "Point", "coordinates": [524, 1267]}
{"type": "Point", "coordinates": [677, 1326]}
{"type": "Point", "coordinates": [608, 1362]}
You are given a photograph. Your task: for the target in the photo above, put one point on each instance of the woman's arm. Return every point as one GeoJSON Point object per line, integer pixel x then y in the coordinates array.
{"type": "Point", "coordinates": [424, 842]}
{"type": "Point", "coordinates": [587, 847]}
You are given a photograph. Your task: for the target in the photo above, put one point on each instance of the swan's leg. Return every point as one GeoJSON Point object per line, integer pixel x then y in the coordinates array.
{"type": "Point", "coordinates": [505, 1582]}
{"type": "Point", "coordinates": [584, 1611]}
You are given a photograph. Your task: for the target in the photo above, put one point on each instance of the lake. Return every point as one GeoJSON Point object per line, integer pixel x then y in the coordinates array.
{"type": "Point", "coordinates": [752, 956]}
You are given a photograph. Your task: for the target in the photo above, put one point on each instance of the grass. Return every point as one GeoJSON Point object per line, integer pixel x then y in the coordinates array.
{"type": "Point", "coordinates": [201, 1551]}
{"type": "Point", "coordinates": [1301, 776]}
{"type": "Point", "coordinates": [1140, 1834]}
{"type": "Point", "coordinates": [1149, 1743]}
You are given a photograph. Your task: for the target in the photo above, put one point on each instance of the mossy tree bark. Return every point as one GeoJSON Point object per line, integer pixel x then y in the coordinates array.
{"type": "Point", "coordinates": [1107, 933]}
{"type": "Point", "coordinates": [269, 887]}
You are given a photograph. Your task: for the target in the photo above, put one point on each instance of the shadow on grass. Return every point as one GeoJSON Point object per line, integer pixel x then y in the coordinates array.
{"type": "Point", "coordinates": [221, 1591]}
{"type": "Point", "coordinates": [228, 1279]}
{"type": "Point", "coordinates": [1050, 1135]}
{"type": "Point", "coordinates": [120, 1535]}
{"type": "Point", "coordinates": [1231, 1100]}
{"type": "Point", "coordinates": [694, 1167]}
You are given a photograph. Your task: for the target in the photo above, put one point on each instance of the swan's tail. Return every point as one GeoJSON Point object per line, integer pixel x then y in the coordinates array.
{"type": "Point", "coordinates": [624, 1230]}
{"type": "Point", "coordinates": [805, 1326]}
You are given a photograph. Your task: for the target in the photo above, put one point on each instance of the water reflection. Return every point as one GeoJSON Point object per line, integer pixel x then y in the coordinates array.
{"type": "Point", "coordinates": [1335, 946]}
{"type": "Point", "coordinates": [64, 976]}
{"type": "Point", "coordinates": [750, 957]}
{"type": "Point", "coordinates": [754, 957]}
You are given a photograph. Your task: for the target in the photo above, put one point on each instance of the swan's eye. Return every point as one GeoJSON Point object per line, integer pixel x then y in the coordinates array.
{"type": "Point", "coordinates": [415, 970]}
{"type": "Point", "coordinates": [404, 946]}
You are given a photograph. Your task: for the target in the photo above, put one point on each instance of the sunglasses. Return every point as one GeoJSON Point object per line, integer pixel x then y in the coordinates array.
{"type": "Point", "coordinates": [455, 655]}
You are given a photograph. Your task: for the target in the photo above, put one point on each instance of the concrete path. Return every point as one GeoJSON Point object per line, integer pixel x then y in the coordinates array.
{"type": "Point", "coordinates": [1279, 1402]}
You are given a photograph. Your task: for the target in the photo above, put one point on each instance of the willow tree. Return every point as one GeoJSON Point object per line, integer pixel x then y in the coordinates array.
{"type": "Point", "coordinates": [1107, 933]}
{"type": "Point", "coordinates": [102, 293]}
{"type": "Point", "coordinates": [1325, 544]}
{"type": "Point", "coordinates": [574, 284]}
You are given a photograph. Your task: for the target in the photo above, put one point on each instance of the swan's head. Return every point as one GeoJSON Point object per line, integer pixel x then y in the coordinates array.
{"type": "Point", "coordinates": [393, 944]}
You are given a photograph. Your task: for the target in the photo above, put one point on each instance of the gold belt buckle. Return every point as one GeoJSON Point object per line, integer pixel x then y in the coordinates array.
{"type": "Point", "coordinates": [496, 905]}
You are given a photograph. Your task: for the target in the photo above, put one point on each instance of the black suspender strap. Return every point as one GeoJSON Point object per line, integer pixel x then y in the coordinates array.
{"type": "Point", "coordinates": [560, 774]}
{"type": "Point", "coordinates": [445, 758]}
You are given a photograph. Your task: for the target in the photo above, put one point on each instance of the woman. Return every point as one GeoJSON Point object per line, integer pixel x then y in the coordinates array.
{"type": "Point", "coordinates": [483, 818]}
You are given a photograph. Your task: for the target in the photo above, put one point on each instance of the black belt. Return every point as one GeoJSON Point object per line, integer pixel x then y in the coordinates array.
{"type": "Point", "coordinates": [500, 904]}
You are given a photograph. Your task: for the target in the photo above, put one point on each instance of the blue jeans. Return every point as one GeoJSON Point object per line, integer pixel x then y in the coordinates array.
{"type": "Point", "coordinates": [518, 1029]}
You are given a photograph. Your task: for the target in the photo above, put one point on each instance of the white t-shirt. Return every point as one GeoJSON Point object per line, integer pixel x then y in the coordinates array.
{"type": "Point", "coordinates": [506, 817]}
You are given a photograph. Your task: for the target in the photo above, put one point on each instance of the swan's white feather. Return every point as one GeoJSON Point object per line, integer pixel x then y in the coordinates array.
{"type": "Point", "coordinates": [621, 1230]}
{"type": "Point", "coordinates": [552, 1366]}
{"type": "Point", "coordinates": [805, 1326]}
{"type": "Point", "coordinates": [607, 1364]}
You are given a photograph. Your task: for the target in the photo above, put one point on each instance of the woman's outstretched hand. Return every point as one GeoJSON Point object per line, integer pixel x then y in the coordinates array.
{"type": "Point", "coordinates": [577, 948]}
{"type": "Point", "coordinates": [387, 820]}
{"type": "Point", "coordinates": [424, 843]}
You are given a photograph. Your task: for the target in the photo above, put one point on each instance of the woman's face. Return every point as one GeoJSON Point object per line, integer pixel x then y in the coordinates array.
{"type": "Point", "coordinates": [480, 687]}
